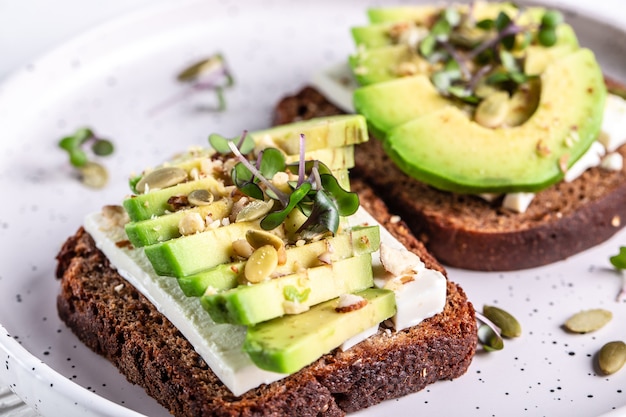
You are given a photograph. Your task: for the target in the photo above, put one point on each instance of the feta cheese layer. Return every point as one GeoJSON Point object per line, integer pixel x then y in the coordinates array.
{"type": "Point", "coordinates": [221, 344]}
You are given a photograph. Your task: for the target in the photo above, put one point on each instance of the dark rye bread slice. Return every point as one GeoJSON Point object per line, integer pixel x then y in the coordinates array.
{"type": "Point", "coordinates": [124, 327]}
{"type": "Point", "coordinates": [467, 232]}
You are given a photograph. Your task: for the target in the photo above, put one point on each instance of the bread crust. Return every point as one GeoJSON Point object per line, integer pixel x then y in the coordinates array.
{"type": "Point", "coordinates": [467, 232]}
{"type": "Point", "coordinates": [116, 321]}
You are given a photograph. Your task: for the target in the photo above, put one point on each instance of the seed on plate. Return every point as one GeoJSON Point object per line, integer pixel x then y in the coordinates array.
{"type": "Point", "coordinates": [588, 320]}
{"type": "Point", "coordinates": [94, 175]}
{"type": "Point", "coordinates": [508, 325]}
{"type": "Point", "coordinates": [200, 197]}
{"type": "Point", "coordinates": [612, 357]}
{"type": "Point", "coordinates": [261, 264]}
{"type": "Point", "coordinates": [161, 178]}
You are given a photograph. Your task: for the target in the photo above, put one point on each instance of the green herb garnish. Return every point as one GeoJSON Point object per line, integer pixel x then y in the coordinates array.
{"type": "Point", "coordinates": [209, 74]}
{"type": "Point", "coordinates": [490, 51]}
{"type": "Point", "coordinates": [619, 262]}
{"type": "Point", "coordinates": [292, 294]}
{"type": "Point", "coordinates": [316, 193]}
{"type": "Point", "coordinates": [81, 147]}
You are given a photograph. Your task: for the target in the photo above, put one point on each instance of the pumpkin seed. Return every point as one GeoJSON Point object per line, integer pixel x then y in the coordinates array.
{"type": "Point", "coordinates": [612, 357]}
{"type": "Point", "coordinates": [492, 111]}
{"type": "Point", "coordinates": [254, 210]}
{"type": "Point", "coordinates": [588, 320]}
{"type": "Point", "coordinates": [258, 238]}
{"type": "Point", "coordinates": [94, 175]}
{"type": "Point", "coordinates": [242, 248]}
{"type": "Point", "coordinates": [523, 104]}
{"type": "Point", "coordinates": [200, 197]}
{"type": "Point", "coordinates": [161, 178]}
{"type": "Point", "coordinates": [508, 325]}
{"type": "Point", "coordinates": [261, 264]}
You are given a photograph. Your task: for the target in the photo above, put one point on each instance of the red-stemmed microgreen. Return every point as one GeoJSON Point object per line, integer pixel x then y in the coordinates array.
{"type": "Point", "coordinates": [316, 192]}
{"type": "Point", "coordinates": [81, 147]}
{"type": "Point", "coordinates": [209, 74]}
{"type": "Point", "coordinates": [466, 62]}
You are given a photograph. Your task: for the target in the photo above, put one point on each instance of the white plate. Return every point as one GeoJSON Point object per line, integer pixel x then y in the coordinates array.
{"type": "Point", "coordinates": [111, 77]}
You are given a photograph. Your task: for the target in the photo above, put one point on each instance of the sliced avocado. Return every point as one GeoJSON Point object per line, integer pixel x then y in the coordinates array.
{"type": "Point", "coordinates": [356, 241]}
{"type": "Point", "coordinates": [305, 289]}
{"type": "Point", "coordinates": [191, 254]}
{"type": "Point", "coordinates": [387, 105]}
{"type": "Point", "coordinates": [320, 133]}
{"type": "Point", "coordinates": [219, 278]}
{"type": "Point", "coordinates": [376, 65]}
{"type": "Point", "coordinates": [165, 227]}
{"type": "Point", "coordinates": [154, 203]}
{"type": "Point", "coordinates": [334, 158]}
{"type": "Point", "coordinates": [289, 343]}
{"type": "Point", "coordinates": [423, 14]}
{"type": "Point", "coordinates": [524, 158]}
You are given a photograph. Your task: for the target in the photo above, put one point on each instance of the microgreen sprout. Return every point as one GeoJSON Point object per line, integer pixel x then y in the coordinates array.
{"type": "Point", "coordinates": [468, 52]}
{"type": "Point", "coordinates": [210, 74]}
{"type": "Point", "coordinates": [619, 262]}
{"type": "Point", "coordinates": [80, 147]}
{"type": "Point", "coordinates": [316, 192]}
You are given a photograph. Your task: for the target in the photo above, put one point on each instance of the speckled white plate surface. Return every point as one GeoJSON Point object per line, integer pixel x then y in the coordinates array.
{"type": "Point", "coordinates": [113, 76]}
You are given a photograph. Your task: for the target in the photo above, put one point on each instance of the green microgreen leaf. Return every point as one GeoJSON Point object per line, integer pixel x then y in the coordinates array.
{"type": "Point", "coordinates": [427, 45]}
{"type": "Point", "coordinates": [508, 61]}
{"type": "Point", "coordinates": [245, 143]}
{"type": "Point", "coordinates": [276, 218]}
{"type": "Point", "coordinates": [441, 29]}
{"type": "Point", "coordinates": [102, 147]}
{"type": "Point", "coordinates": [272, 161]}
{"type": "Point", "coordinates": [347, 202]}
{"type": "Point", "coordinates": [452, 16]}
{"type": "Point", "coordinates": [75, 145]}
{"type": "Point", "coordinates": [323, 218]}
{"type": "Point", "coordinates": [619, 260]}
{"type": "Point", "coordinates": [486, 24]}
{"type": "Point", "coordinates": [502, 21]}
{"type": "Point", "coordinates": [463, 94]}
{"type": "Point", "coordinates": [78, 157]}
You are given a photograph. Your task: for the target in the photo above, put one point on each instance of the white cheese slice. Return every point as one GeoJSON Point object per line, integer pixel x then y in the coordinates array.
{"type": "Point", "coordinates": [590, 159]}
{"type": "Point", "coordinates": [613, 162]}
{"type": "Point", "coordinates": [219, 344]}
{"type": "Point", "coordinates": [420, 292]}
{"type": "Point", "coordinates": [614, 123]}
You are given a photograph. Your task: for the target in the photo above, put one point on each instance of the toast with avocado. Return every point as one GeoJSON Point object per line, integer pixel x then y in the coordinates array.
{"type": "Point", "coordinates": [255, 279]}
{"type": "Point", "coordinates": [495, 137]}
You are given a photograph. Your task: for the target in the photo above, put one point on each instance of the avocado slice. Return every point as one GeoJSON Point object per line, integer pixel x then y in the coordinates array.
{"type": "Point", "coordinates": [429, 148]}
{"type": "Point", "coordinates": [289, 343]}
{"type": "Point", "coordinates": [320, 133]}
{"type": "Point", "coordinates": [154, 203]}
{"type": "Point", "coordinates": [304, 289]}
{"type": "Point", "coordinates": [191, 254]}
{"type": "Point", "coordinates": [165, 227]}
{"type": "Point", "coordinates": [385, 63]}
{"type": "Point", "coordinates": [423, 14]}
{"type": "Point", "coordinates": [339, 158]}
{"type": "Point", "coordinates": [356, 241]}
{"type": "Point", "coordinates": [387, 105]}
